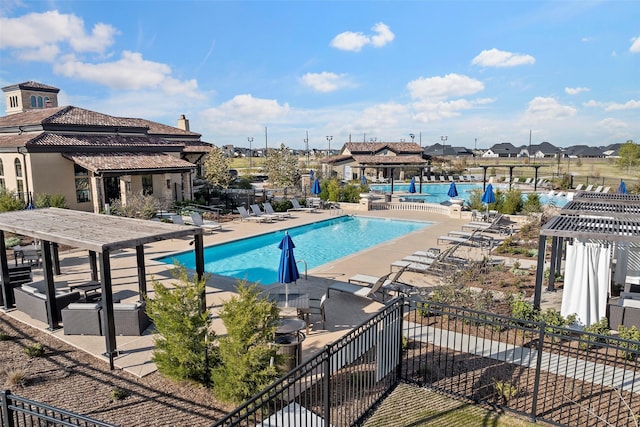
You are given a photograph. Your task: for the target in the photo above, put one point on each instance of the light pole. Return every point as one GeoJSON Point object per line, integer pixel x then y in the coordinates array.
{"type": "Point", "coordinates": [475, 149]}
{"type": "Point", "coordinates": [444, 140]}
{"type": "Point", "coordinates": [329, 138]}
{"type": "Point", "coordinates": [250, 139]}
{"type": "Point", "coordinates": [306, 147]}
{"type": "Point", "coordinates": [412, 137]}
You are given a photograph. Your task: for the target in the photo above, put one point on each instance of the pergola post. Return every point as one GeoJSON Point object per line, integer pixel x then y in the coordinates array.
{"type": "Point", "coordinates": [539, 272]}
{"type": "Point", "coordinates": [107, 307]}
{"type": "Point", "coordinates": [6, 293]}
{"type": "Point", "coordinates": [199, 253]}
{"type": "Point", "coordinates": [510, 176]}
{"type": "Point", "coordinates": [142, 276]}
{"type": "Point", "coordinates": [50, 286]}
{"type": "Point", "coordinates": [93, 263]}
{"type": "Point", "coordinates": [552, 267]}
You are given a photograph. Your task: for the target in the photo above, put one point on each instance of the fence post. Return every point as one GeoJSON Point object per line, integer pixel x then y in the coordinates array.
{"type": "Point", "coordinates": [6, 412]}
{"type": "Point", "coordinates": [536, 384]}
{"type": "Point", "coordinates": [402, 303]}
{"type": "Point", "coordinates": [326, 386]}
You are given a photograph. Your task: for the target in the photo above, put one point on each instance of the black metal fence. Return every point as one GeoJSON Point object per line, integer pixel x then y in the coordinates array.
{"type": "Point", "coordinates": [16, 411]}
{"type": "Point", "coordinates": [547, 373]}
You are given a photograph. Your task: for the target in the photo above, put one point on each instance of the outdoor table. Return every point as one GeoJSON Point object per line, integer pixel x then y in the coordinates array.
{"type": "Point", "coordinates": [18, 251]}
{"type": "Point", "coordinates": [90, 287]}
{"type": "Point", "coordinates": [289, 339]}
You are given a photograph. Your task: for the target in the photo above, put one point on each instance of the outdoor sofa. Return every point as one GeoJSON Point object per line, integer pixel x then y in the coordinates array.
{"type": "Point", "coordinates": [130, 319]}
{"type": "Point", "coordinates": [33, 301]}
{"type": "Point", "coordinates": [625, 311]}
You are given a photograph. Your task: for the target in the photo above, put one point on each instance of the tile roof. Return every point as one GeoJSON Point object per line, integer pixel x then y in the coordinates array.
{"type": "Point", "coordinates": [47, 139]}
{"type": "Point", "coordinates": [396, 147]}
{"type": "Point", "coordinates": [31, 85]}
{"type": "Point", "coordinates": [390, 160]}
{"type": "Point", "coordinates": [17, 140]}
{"type": "Point", "coordinates": [127, 161]}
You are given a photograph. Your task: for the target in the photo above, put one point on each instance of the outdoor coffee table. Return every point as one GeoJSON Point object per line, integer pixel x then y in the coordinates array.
{"type": "Point", "coordinates": [92, 288]}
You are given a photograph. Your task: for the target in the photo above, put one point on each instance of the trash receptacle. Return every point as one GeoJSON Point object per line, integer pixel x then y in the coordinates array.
{"type": "Point", "coordinates": [290, 347]}
{"type": "Point", "coordinates": [387, 197]}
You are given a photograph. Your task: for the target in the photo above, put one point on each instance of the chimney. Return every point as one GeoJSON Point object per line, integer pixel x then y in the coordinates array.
{"type": "Point", "coordinates": [183, 123]}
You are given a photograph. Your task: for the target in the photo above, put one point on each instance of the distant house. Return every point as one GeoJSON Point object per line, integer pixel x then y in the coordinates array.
{"type": "Point", "coordinates": [583, 152]}
{"type": "Point", "coordinates": [503, 149]}
{"type": "Point", "coordinates": [438, 150]}
{"type": "Point", "coordinates": [544, 150]}
{"type": "Point", "coordinates": [89, 157]}
{"type": "Point", "coordinates": [375, 160]}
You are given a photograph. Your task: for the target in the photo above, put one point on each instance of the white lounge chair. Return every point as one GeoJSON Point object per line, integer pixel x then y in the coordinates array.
{"type": "Point", "coordinates": [598, 189]}
{"type": "Point", "coordinates": [579, 187]}
{"type": "Point", "coordinates": [297, 207]}
{"type": "Point", "coordinates": [589, 187]}
{"type": "Point", "coordinates": [209, 225]}
{"type": "Point", "coordinates": [177, 219]}
{"type": "Point", "coordinates": [279, 215]}
{"type": "Point", "coordinates": [258, 212]}
{"type": "Point", "coordinates": [244, 215]}
{"type": "Point", "coordinates": [606, 189]}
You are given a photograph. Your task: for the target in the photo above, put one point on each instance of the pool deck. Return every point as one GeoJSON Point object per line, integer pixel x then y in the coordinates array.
{"type": "Point", "coordinates": [343, 311]}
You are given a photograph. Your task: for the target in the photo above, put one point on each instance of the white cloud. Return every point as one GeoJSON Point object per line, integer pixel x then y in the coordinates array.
{"type": "Point", "coordinates": [629, 105]}
{"type": "Point", "coordinates": [243, 113]}
{"type": "Point", "coordinates": [35, 30]}
{"type": "Point", "coordinates": [451, 85]}
{"type": "Point", "coordinates": [130, 72]}
{"type": "Point", "coordinates": [613, 126]}
{"type": "Point", "coordinates": [499, 58]}
{"type": "Point", "coordinates": [592, 103]}
{"type": "Point", "coordinates": [547, 108]}
{"type": "Point", "coordinates": [380, 117]}
{"type": "Point", "coordinates": [354, 42]}
{"type": "Point", "coordinates": [575, 90]}
{"type": "Point", "coordinates": [44, 53]}
{"type": "Point", "coordinates": [586, 39]}
{"type": "Point", "coordinates": [635, 45]}
{"type": "Point", "coordinates": [324, 81]}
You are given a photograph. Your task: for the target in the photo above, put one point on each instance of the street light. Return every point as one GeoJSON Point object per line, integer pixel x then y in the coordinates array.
{"type": "Point", "coordinates": [444, 140]}
{"type": "Point", "coordinates": [329, 138]}
{"type": "Point", "coordinates": [250, 139]}
{"type": "Point", "coordinates": [412, 136]}
{"type": "Point", "coordinates": [306, 147]}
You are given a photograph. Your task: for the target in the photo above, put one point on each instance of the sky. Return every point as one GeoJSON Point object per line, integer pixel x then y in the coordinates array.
{"type": "Point", "coordinates": [298, 72]}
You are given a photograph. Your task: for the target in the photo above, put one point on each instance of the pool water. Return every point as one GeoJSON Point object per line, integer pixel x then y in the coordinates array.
{"type": "Point", "coordinates": [437, 193]}
{"type": "Point", "coordinates": [256, 259]}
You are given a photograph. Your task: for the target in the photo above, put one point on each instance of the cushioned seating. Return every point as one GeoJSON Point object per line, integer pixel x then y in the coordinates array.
{"type": "Point", "coordinates": [130, 319]}
{"type": "Point", "coordinates": [30, 300]}
{"type": "Point", "coordinates": [82, 319]}
{"type": "Point", "coordinates": [625, 312]}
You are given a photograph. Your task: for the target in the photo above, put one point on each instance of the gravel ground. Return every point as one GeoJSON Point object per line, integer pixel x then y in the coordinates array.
{"type": "Point", "coordinates": [68, 378]}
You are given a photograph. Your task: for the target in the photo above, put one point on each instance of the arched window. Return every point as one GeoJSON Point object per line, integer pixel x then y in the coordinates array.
{"type": "Point", "coordinates": [40, 102]}
{"type": "Point", "coordinates": [33, 101]}
{"type": "Point", "coordinates": [19, 178]}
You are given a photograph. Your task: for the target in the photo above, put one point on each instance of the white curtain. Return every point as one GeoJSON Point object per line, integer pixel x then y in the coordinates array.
{"type": "Point", "coordinates": [587, 281]}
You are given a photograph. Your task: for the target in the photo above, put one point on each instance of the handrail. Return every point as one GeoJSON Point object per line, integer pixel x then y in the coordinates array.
{"type": "Point", "coordinates": [305, 267]}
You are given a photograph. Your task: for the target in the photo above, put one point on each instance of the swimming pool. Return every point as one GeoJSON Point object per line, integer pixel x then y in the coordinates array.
{"type": "Point", "coordinates": [256, 258]}
{"type": "Point", "coordinates": [437, 193]}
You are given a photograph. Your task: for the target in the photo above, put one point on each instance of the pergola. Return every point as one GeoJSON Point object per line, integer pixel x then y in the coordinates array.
{"type": "Point", "coordinates": [98, 234]}
{"type": "Point", "coordinates": [589, 216]}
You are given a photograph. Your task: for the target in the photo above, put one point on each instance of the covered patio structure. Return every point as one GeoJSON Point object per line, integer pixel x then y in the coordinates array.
{"type": "Point", "coordinates": [100, 235]}
{"type": "Point", "coordinates": [607, 218]}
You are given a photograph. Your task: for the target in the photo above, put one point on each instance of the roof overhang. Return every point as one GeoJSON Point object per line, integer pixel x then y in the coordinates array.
{"type": "Point", "coordinates": [129, 162]}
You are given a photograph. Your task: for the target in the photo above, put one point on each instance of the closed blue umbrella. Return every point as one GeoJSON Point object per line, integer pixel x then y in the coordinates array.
{"type": "Point", "coordinates": [412, 185]}
{"type": "Point", "coordinates": [453, 191]}
{"type": "Point", "coordinates": [622, 189]}
{"type": "Point", "coordinates": [315, 188]}
{"type": "Point", "coordinates": [287, 269]}
{"type": "Point", "coordinates": [488, 197]}
{"type": "Point", "coordinates": [363, 180]}
{"type": "Point", "coordinates": [31, 207]}
{"type": "Point", "coordinates": [310, 173]}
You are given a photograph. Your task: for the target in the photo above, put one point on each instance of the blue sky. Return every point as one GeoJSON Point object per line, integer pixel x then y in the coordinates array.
{"type": "Point", "coordinates": [568, 71]}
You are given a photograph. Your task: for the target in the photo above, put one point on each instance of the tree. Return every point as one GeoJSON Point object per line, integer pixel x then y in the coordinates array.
{"type": "Point", "coordinates": [629, 153]}
{"type": "Point", "coordinates": [184, 347]}
{"type": "Point", "coordinates": [216, 168]}
{"type": "Point", "coordinates": [10, 202]}
{"type": "Point", "coordinates": [282, 167]}
{"type": "Point", "coordinates": [248, 356]}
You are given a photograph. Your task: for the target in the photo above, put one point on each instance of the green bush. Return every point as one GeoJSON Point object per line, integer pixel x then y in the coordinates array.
{"type": "Point", "coordinates": [601, 328]}
{"type": "Point", "coordinates": [632, 334]}
{"type": "Point", "coordinates": [142, 206]}
{"type": "Point", "coordinates": [532, 204]}
{"type": "Point", "coordinates": [35, 350]}
{"type": "Point", "coordinates": [10, 202]}
{"type": "Point", "coordinates": [45, 200]}
{"type": "Point", "coordinates": [512, 203]}
{"type": "Point", "coordinates": [523, 310]}
{"type": "Point", "coordinates": [10, 242]}
{"type": "Point", "coordinates": [184, 349]}
{"type": "Point", "coordinates": [248, 356]}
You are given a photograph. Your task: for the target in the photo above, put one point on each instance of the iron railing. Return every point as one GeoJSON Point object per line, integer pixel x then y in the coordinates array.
{"type": "Point", "coordinates": [16, 411]}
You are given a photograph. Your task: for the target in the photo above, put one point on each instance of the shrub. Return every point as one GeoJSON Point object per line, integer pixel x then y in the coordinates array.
{"type": "Point", "coordinates": [184, 348]}
{"type": "Point", "coordinates": [138, 206]}
{"type": "Point", "coordinates": [35, 350]}
{"type": "Point", "coordinates": [4, 336]}
{"type": "Point", "coordinates": [523, 310]}
{"type": "Point", "coordinates": [631, 334]}
{"type": "Point", "coordinates": [117, 393]}
{"type": "Point", "coordinates": [505, 390]}
{"type": "Point", "coordinates": [16, 378]}
{"type": "Point", "coordinates": [12, 241]}
{"type": "Point", "coordinates": [9, 201]}
{"type": "Point", "coordinates": [46, 200]}
{"type": "Point", "coordinates": [601, 328]}
{"type": "Point", "coordinates": [248, 356]}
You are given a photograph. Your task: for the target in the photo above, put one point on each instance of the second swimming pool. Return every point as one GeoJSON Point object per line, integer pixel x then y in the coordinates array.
{"type": "Point", "coordinates": [256, 258]}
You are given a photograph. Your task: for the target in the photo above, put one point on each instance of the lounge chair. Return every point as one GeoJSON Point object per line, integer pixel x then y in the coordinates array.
{"type": "Point", "coordinates": [442, 178]}
{"type": "Point", "coordinates": [589, 188]}
{"type": "Point", "coordinates": [598, 189]}
{"type": "Point", "coordinates": [177, 219]}
{"type": "Point", "coordinates": [258, 212]}
{"type": "Point", "coordinates": [410, 266]}
{"type": "Point", "coordinates": [244, 215]}
{"type": "Point", "coordinates": [528, 181]}
{"type": "Point", "coordinates": [606, 189]}
{"type": "Point", "coordinates": [297, 207]}
{"type": "Point", "coordinates": [432, 178]}
{"type": "Point", "coordinates": [382, 285]}
{"type": "Point", "coordinates": [279, 215]}
{"type": "Point", "coordinates": [516, 180]}
{"type": "Point", "coordinates": [209, 225]}
{"type": "Point", "coordinates": [579, 187]}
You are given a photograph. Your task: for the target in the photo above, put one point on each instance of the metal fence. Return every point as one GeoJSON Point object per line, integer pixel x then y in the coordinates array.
{"type": "Point", "coordinates": [16, 411]}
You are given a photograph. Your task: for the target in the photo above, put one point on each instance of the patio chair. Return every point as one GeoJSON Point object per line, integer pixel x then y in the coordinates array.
{"type": "Point", "coordinates": [209, 225]}
{"type": "Point", "coordinates": [258, 212]}
{"type": "Point", "coordinates": [297, 207]}
{"type": "Point", "coordinates": [279, 215]}
{"type": "Point", "coordinates": [177, 219]}
{"type": "Point", "coordinates": [316, 307]}
{"type": "Point", "coordinates": [244, 215]}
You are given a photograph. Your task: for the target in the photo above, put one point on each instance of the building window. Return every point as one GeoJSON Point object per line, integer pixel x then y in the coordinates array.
{"type": "Point", "coordinates": [40, 102]}
{"type": "Point", "coordinates": [147, 184]}
{"type": "Point", "coordinates": [2, 184]}
{"type": "Point", "coordinates": [82, 184]}
{"type": "Point", "coordinates": [13, 101]}
{"type": "Point", "coordinates": [19, 178]}
{"type": "Point", "coordinates": [33, 101]}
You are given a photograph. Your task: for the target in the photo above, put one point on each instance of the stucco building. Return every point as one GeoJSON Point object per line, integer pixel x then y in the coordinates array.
{"type": "Point", "coordinates": [89, 157]}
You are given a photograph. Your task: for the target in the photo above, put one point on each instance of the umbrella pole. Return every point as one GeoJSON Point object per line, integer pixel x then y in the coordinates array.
{"type": "Point", "coordinates": [286, 295]}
